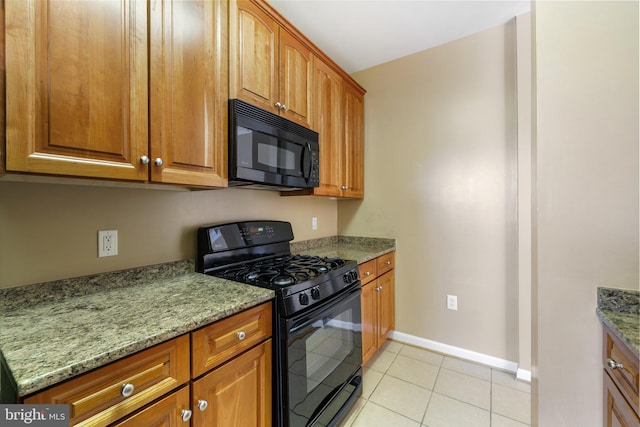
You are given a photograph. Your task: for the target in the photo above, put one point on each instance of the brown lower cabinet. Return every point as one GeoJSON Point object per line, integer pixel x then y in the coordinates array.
{"type": "Point", "coordinates": [378, 315]}
{"type": "Point", "coordinates": [621, 383]}
{"type": "Point", "coordinates": [228, 385]}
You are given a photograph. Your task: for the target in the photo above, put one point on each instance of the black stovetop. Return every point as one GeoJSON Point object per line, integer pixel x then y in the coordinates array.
{"type": "Point", "coordinates": [280, 271]}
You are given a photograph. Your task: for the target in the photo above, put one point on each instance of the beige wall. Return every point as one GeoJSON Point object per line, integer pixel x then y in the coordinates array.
{"type": "Point", "coordinates": [440, 157]}
{"type": "Point", "coordinates": [586, 84]}
{"type": "Point", "coordinates": [49, 231]}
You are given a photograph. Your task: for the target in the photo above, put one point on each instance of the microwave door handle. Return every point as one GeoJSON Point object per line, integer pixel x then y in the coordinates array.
{"type": "Point", "coordinates": [307, 173]}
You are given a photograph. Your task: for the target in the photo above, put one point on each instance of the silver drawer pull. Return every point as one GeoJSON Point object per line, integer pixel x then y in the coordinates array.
{"type": "Point", "coordinates": [127, 390]}
{"type": "Point", "coordinates": [388, 262]}
{"type": "Point", "coordinates": [202, 404]}
{"type": "Point", "coordinates": [241, 335]}
{"type": "Point", "coordinates": [614, 365]}
{"type": "Point", "coordinates": [367, 273]}
{"type": "Point", "coordinates": [186, 415]}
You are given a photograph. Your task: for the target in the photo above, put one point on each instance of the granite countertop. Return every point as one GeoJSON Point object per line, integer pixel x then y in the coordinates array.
{"type": "Point", "coordinates": [619, 309]}
{"type": "Point", "coordinates": [360, 249]}
{"type": "Point", "coordinates": [54, 331]}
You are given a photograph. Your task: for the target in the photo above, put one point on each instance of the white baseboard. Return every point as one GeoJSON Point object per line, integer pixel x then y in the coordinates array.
{"type": "Point", "coordinates": [523, 375]}
{"type": "Point", "coordinates": [462, 353]}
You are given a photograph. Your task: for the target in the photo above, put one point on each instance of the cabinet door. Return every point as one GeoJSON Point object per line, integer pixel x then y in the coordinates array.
{"type": "Point", "coordinates": [238, 393]}
{"type": "Point", "coordinates": [253, 55]}
{"type": "Point", "coordinates": [328, 123]}
{"type": "Point", "coordinates": [296, 77]}
{"type": "Point", "coordinates": [617, 411]}
{"type": "Point", "coordinates": [76, 86]}
{"type": "Point", "coordinates": [189, 92]}
{"type": "Point", "coordinates": [353, 161]}
{"type": "Point", "coordinates": [386, 314]}
{"type": "Point", "coordinates": [167, 412]}
{"type": "Point", "coordinates": [369, 307]}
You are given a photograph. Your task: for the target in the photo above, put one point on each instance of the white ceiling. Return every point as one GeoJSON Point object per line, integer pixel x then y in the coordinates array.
{"type": "Point", "coordinates": [358, 34]}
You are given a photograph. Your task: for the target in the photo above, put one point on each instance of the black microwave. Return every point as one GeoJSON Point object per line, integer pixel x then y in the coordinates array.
{"type": "Point", "coordinates": [269, 151]}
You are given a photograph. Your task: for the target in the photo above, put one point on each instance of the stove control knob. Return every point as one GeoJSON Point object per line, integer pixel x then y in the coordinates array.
{"type": "Point", "coordinates": [304, 298]}
{"type": "Point", "coordinates": [315, 293]}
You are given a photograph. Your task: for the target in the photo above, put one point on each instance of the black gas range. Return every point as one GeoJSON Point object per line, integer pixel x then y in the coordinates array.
{"type": "Point", "coordinates": [317, 320]}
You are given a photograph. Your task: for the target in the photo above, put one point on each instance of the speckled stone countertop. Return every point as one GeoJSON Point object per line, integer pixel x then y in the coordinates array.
{"type": "Point", "coordinates": [54, 331]}
{"type": "Point", "coordinates": [360, 249]}
{"type": "Point", "coordinates": [619, 309]}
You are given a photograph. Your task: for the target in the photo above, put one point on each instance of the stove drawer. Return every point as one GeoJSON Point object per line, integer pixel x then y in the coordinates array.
{"type": "Point", "coordinates": [367, 271]}
{"type": "Point", "coordinates": [215, 344]}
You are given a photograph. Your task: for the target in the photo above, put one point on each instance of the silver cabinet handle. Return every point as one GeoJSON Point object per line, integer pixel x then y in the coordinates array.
{"type": "Point", "coordinates": [379, 288]}
{"type": "Point", "coordinates": [284, 107]}
{"type": "Point", "coordinates": [614, 365]}
{"type": "Point", "coordinates": [344, 187]}
{"type": "Point", "coordinates": [145, 160]}
{"type": "Point", "coordinates": [158, 162]}
{"type": "Point", "coordinates": [186, 415]}
{"type": "Point", "coordinates": [127, 390]}
{"type": "Point", "coordinates": [388, 262]}
{"type": "Point", "coordinates": [202, 404]}
{"type": "Point", "coordinates": [367, 273]}
{"type": "Point", "coordinates": [241, 335]}
{"type": "Point", "coordinates": [278, 105]}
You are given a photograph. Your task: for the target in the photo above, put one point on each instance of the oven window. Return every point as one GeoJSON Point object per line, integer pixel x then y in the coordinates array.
{"type": "Point", "coordinates": [330, 343]}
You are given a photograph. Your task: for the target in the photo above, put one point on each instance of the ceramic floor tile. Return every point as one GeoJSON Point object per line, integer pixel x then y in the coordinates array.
{"type": "Point", "coordinates": [469, 368]}
{"type": "Point", "coordinates": [509, 380]}
{"type": "Point", "coordinates": [381, 361]}
{"type": "Point", "coordinates": [414, 371]}
{"type": "Point", "coordinates": [375, 415]}
{"type": "Point", "coordinates": [422, 354]}
{"type": "Point", "coordinates": [500, 421]}
{"type": "Point", "coordinates": [401, 397]}
{"type": "Point", "coordinates": [511, 403]}
{"type": "Point", "coordinates": [392, 346]}
{"type": "Point", "coordinates": [370, 381]}
{"type": "Point", "coordinates": [464, 387]}
{"type": "Point", "coordinates": [444, 411]}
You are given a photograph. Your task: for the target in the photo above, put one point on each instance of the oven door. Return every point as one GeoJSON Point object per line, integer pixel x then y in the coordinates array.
{"type": "Point", "coordinates": [323, 358]}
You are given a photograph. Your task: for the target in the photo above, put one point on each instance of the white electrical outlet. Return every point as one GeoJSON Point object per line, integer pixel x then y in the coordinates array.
{"type": "Point", "coordinates": [314, 223]}
{"type": "Point", "coordinates": [107, 243]}
{"type": "Point", "coordinates": [452, 302]}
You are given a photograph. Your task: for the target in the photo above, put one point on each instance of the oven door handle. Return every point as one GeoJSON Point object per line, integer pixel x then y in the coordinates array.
{"type": "Point", "coordinates": [297, 323]}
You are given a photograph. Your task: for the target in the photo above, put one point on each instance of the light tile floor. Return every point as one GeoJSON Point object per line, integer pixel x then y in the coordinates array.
{"type": "Point", "coordinates": [413, 387]}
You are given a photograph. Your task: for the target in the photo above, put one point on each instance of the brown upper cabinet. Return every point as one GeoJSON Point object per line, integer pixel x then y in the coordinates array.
{"type": "Point", "coordinates": [338, 117]}
{"type": "Point", "coordinates": [269, 66]}
{"type": "Point", "coordinates": [79, 101]}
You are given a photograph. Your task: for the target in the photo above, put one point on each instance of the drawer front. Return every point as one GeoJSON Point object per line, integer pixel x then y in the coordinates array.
{"type": "Point", "coordinates": [220, 341]}
{"type": "Point", "coordinates": [166, 412]}
{"type": "Point", "coordinates": [624, 371]}
{"type": "Point", "coordinates": [98, 397]}
{"type": "Point", "coordinates": [367, 271]}
{"type": "Point", "coordinates": [385, 263]}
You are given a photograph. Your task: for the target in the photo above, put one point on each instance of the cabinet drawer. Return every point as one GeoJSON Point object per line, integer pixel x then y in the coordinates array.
{"type": "Point", "coordinates": [220, 341]}
{"type": "Point", "coordinates": [625, 370]}
{"type": "Point", "coordinates": [166, 412]}
{"type": "Point", "coordinates": [96, 398]}
{"type": "Point", "coordinates": [367, 271]}
{"type": "Point", "coordinates": [385, 263]}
